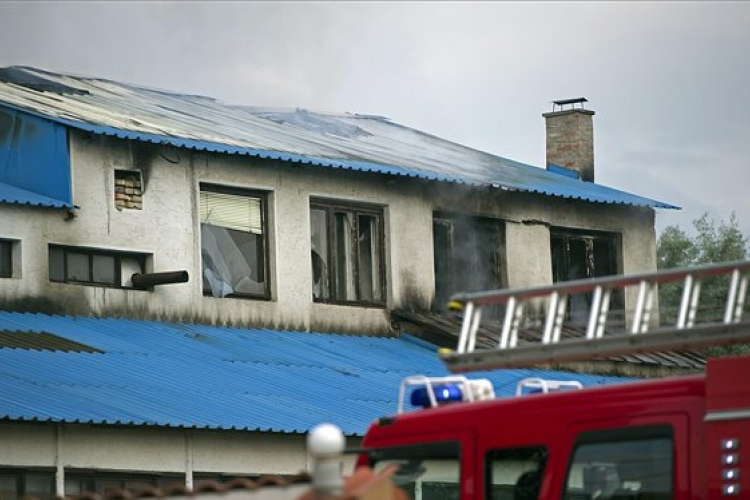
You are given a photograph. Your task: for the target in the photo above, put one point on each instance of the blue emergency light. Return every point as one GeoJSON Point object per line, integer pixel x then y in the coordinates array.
{"type": "Point", "coordinates": [444, 393]}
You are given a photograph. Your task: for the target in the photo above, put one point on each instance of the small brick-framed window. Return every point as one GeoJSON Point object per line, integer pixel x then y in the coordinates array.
{"type": "Point", "coordinates": [128, 190]}
{"type": "Point", "coordinates": [92, 266]}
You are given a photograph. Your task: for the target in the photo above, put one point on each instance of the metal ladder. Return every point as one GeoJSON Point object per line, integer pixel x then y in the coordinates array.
{"type": "Point", "coordinates": [686, 333]}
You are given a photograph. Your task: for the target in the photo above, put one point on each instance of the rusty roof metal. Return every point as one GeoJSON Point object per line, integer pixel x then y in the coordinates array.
{"type": "Point", "coordinates": [333, 140]}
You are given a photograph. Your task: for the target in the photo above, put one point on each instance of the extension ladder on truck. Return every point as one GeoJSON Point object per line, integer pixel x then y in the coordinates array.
{"type": "Point", "coordinates": [598, 342]}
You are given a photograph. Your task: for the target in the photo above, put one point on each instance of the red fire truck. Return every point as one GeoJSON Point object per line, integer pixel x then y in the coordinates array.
{"type": "Point", "coordinates": [686, 437]}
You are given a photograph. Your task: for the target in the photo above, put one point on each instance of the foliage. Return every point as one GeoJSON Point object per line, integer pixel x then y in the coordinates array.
{"type": "Point", "coordinates": [711, 243]}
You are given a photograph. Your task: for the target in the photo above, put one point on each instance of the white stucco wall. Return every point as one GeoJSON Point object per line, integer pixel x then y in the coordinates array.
{"type": "Point", "coordinates": [168, 228]}
{"type": "Point", "coordinates": [149, 450]}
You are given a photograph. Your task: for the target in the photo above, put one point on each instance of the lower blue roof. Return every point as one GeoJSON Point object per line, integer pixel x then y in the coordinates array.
{"type": "Point", "coordinates": [199, 376]}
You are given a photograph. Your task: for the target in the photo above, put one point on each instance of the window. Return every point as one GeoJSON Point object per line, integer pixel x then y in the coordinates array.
{"type": "Point", "coordinates": [128, 190]}
{"type": "Point", "coordinates": [234, 246]}
{"type": "Point", "coordinates": [106, 483]}
{"type": "Point", "coordinates": [19, 483]}
{"type": "Point", "coordinates": [579, 254]}
{"type": "Point", "coordinates": [515, 473]}
{"type": "Point", "coordinates": [469, 253]}
{"type": "Point", "coordinates": [622, 463]}
{"type": "Point", "coordinates": [427, 471]}
{"type": "Point", "coordinates": [6, 259]}
{"type": "Point", "coordinates": [347, 253]}
{"type": "Point", "coordinates": [92, 266]}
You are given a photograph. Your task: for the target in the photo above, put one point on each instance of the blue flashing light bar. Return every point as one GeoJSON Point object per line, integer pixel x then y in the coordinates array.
{"type": "Point", "coordinates": [444, 393]}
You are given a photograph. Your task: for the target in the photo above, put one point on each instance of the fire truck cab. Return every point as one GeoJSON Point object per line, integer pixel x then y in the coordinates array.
{"type": "Point", "coordinates": [685, 437]}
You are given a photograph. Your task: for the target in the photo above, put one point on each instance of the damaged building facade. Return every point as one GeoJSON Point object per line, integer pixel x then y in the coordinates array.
{"type": "Point", "coordinates": [285, 219]}
{"type": "Point", "coordinates": [120, 201]}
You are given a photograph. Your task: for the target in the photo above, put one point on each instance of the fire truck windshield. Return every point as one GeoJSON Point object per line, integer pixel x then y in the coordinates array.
{"type": "Point", "coordinates": [426, 471]}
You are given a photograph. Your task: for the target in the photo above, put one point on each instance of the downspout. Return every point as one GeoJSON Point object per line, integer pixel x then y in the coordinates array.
{"type": "Point", "coordinates": [188, 460]}
{"type": "Point", "coordinates": [59, 465]}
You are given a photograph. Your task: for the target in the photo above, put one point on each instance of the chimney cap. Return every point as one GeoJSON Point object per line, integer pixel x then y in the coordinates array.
{"type": "Point", "coordinates": [569, 102]}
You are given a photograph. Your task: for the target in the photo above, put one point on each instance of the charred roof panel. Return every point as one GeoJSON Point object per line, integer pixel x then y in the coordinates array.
{"type": "Point", "coordinates": [334, 140]}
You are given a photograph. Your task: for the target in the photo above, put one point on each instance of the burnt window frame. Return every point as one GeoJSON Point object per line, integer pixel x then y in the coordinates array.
{"type": "Point", "coordinates": [501, 268]}
{"type": "Point", "coordinates": [579, 314]}
{"type": "Point", "coordinates": [264, 197]}
{"type": "Point", "coordinates": [356, 209]}
{"type": "Point", "coordinates": [91, 253]}
{"type": "Point", "coordinates": [7, 248]}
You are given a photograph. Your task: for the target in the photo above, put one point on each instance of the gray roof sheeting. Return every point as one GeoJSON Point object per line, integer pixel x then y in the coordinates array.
{"type": "Point", "coordinates": [345, 141]}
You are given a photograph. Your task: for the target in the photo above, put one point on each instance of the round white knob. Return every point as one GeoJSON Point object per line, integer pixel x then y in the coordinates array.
{"type": "Point", "coordinates": [325, 440]}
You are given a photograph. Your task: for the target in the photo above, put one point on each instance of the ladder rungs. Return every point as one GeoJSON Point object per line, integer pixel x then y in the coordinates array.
{"type": "Point", "coordinates": [665, 339]}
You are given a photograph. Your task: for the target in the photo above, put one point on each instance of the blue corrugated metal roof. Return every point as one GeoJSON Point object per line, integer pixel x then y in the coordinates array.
{"type": "Point", "coordinates": [198, 376]}
{"type": "Point", "coordinates": [18, 196]}
{"type": "Point", "coordinates": [345, 141]}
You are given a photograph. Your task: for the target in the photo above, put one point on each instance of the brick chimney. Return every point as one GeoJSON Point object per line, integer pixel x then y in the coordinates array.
{"type": "Point", "coordinates": [570, 137]}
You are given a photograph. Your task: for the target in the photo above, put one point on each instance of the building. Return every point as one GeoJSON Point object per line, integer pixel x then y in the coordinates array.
{"type": "Point", "coordinates": [151, 211]}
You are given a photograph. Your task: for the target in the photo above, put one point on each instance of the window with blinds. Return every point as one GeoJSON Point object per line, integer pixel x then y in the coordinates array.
{"type": "Point", "coordinates": [233, 242]}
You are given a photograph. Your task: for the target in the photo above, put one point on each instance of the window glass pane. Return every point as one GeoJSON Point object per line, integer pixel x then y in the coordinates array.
{"type": "Point", "coordinates": [515, 473]}
{"type": "Point", "coordinates": [6, 264]}
{"type": "Point", "coordinates": [423, 474]}
{"type": "Point", "coordinates": [369, 258]}
{"type": "Point", "coordinates": [8, 488]}
{"type": "Point", "coordinates": [78, 267]}
{"type": "Point", "coordinates": [108, 486]}
{"type": "Point", "coordinates": [624, 469]}
{"type": "Point", "coordinates": [104, 269]}
{"type": "Point", "coordinates": [233, 262]}
{"type": "Point", "coordinates": [344, 282]}
{"type": "Point", "coordinates": [56, 264]}
{"type": "Point", "coordinates": [40, 485]}
{"type": "Point", "coordinates": [319, 253]}
{"type": "Point", "coordinates": [73, 487]}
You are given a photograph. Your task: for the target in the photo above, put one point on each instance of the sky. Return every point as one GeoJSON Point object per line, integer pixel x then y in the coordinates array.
{"type": "Point", "coordinates": [669, 81]}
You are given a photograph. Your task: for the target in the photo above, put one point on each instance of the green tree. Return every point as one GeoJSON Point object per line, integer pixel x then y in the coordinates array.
{"type": "Point", "coordinates": [712, 243]}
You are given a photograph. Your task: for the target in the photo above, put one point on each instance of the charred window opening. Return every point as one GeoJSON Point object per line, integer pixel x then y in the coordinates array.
{"type": "Point", "coordinates": [234, 247]}
{"type": "Point", "coordinates": [585, 254]}
{"type": "Point", "coordinates": [6, 259]}
{"type": "Point", "coordinates": [128, 190]}
{"type": "Point", "coordinates": [91, 266]}
{"type": "Point", "coordinates": [469, 255]}
{"type": "Point", "coordinates": [347, 251]}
